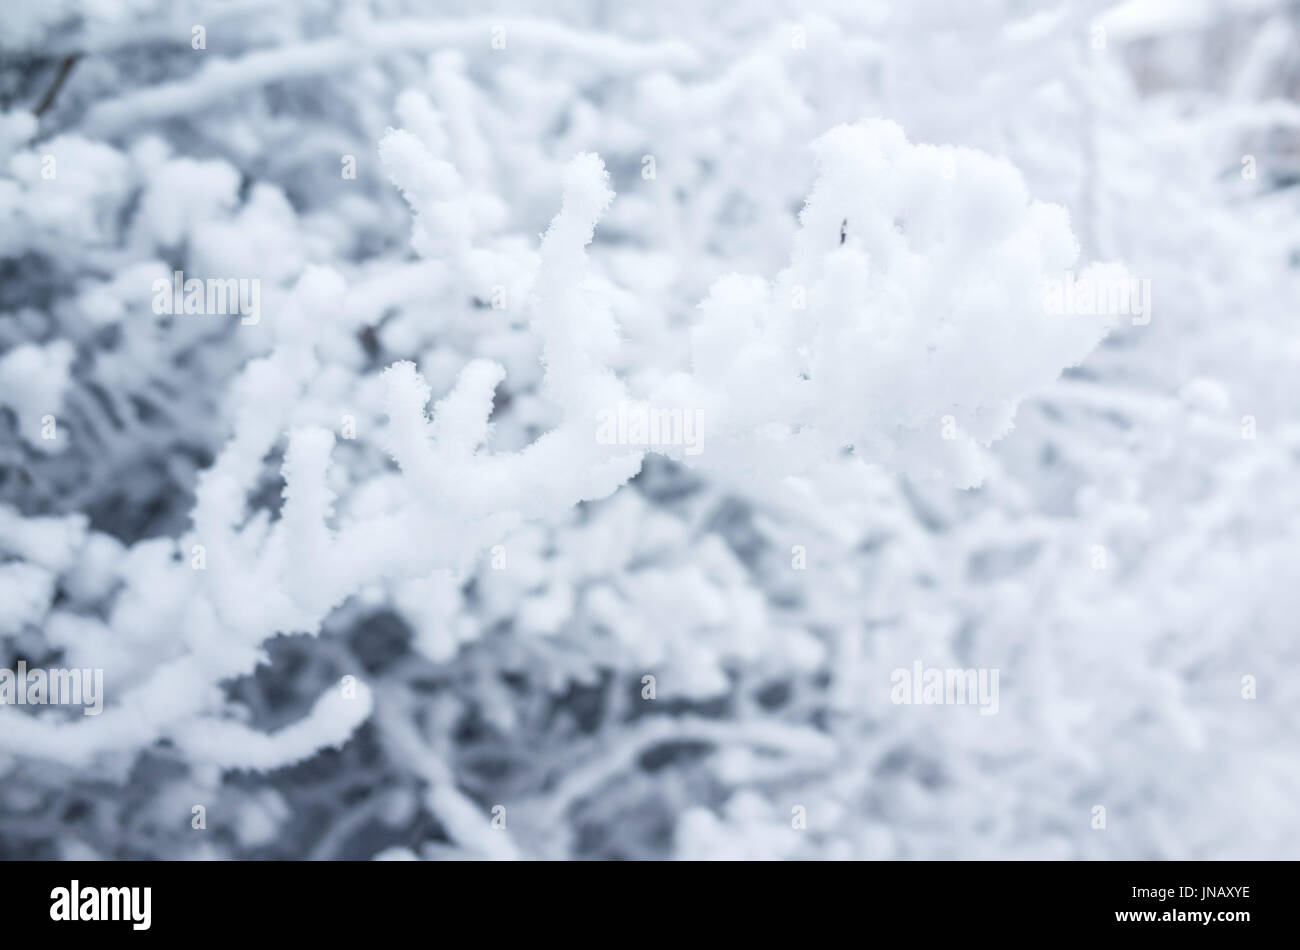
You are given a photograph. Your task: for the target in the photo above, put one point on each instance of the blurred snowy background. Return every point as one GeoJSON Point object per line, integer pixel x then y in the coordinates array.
{"type": "Point", "coordinates": [549, 650]}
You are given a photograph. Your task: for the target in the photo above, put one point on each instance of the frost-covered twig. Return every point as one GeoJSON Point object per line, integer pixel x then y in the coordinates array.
{"type": "Point", "coordinates": [221, 79]}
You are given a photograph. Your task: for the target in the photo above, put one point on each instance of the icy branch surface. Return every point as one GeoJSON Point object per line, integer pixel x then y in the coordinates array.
{"type": "Point", "coordinates": [614, 405]}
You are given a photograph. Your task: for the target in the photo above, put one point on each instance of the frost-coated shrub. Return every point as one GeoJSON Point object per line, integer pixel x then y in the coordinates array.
{"type": "Point", "coordinates": [365, 577]}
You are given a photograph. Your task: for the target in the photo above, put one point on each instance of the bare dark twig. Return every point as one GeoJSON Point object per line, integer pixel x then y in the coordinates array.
{"type": "Point", "coordinates": [65, 69]}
